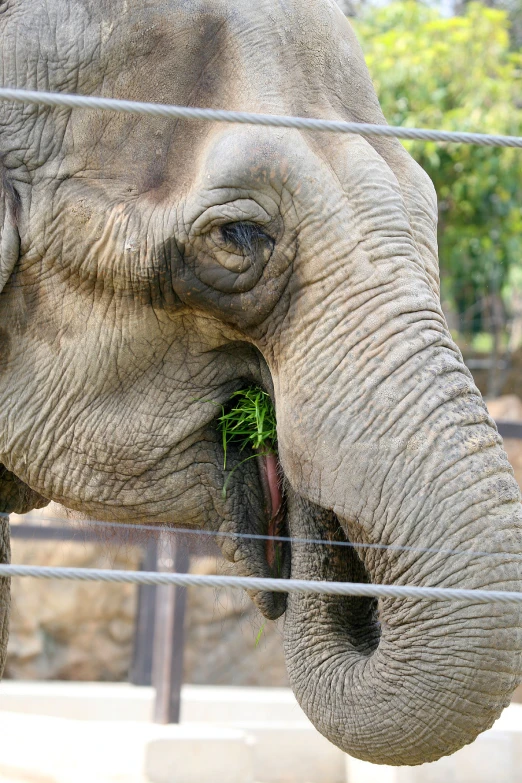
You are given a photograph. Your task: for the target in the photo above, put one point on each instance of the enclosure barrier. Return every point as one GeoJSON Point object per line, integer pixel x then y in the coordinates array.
{"type": "Point", "coordinates": [265, 584]}
{"type": "Point", "coordinates": [168, 700]}
{"type": "Point", "coordinates": [68, 101]}
{"type": "Point", "coordinates": [23, 531]}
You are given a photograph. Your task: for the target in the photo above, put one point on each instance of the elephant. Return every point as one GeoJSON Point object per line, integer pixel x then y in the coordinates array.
{"type": "Point", "coordinates": [151, 267]}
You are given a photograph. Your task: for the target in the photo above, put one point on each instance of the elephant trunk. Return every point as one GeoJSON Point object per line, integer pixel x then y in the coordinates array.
{"type": "Point", "coordinates": [418, 479]}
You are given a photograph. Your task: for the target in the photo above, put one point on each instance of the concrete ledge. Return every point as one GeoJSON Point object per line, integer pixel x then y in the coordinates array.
{"type": "Point", "coordinates": [220, 744]}
{"type": "Point", "coordinates": [239, 704]}
{"type": "Point", "coordinates": [293, 753]}
{"type": "Point", "coordinates": [199, 754]}
{"type": "Point", "coordinates": [124, 702]}
{"type": "Point", "coordinates": [78, 700]}
{"type": "Point", "coordinates": [39, 749]}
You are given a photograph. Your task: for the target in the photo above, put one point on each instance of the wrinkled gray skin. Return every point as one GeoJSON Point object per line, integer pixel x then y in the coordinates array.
{"type": "Point", "coordinates": [126, 307]}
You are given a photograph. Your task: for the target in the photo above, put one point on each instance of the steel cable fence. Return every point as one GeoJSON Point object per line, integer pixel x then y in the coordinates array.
{"type": "Point", "coordinates": [68, 101]}
{"type": "Point", "coordinates": [278, 585]}
{"type": "Point", "coordinates": [353, 589]}
{"type": "Point", "coordinates": [88, 525]}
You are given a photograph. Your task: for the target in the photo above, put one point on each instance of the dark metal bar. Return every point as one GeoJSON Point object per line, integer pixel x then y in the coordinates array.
{"type": "Point", "coordinates": [510, 429]}
{"type": "Point", "coordinates": [486, 364]}
{"type": "Point", "coordinates": [55, 533]}
{"type": "Point", "coordinates": [142, 653]}
{"type": "Point", "coordinates": [167, 670]}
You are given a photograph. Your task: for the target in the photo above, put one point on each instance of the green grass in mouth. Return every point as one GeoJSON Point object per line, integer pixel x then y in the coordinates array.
{"type": "Point", "coordinates": [250, 421]}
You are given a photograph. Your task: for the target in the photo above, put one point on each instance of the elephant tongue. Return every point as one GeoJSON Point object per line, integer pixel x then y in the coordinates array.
{"type": "Point", "coordinates": [276, 507]}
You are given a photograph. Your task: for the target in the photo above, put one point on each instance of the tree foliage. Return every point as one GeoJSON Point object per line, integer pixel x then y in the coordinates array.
{"type": "Point", "coordinates": [457, 73]}
{"type": "Point", "coordinates": [513, 8]}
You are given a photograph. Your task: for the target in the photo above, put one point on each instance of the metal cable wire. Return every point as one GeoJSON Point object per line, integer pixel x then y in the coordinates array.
{"type": "Point", "coordinates": [62, 100]}
{"type": "Point", "coordinates": [185, 531]}
{"type": "Point", "coordinates": [270, 585]}
{"type": "Point", "coordinates": [65, 100]}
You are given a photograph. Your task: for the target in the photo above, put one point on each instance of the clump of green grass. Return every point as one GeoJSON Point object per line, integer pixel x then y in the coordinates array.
{"type": "Point", "coordinates": [250, 421]}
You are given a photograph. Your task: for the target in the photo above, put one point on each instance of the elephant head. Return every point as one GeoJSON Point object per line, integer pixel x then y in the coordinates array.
{"type": "Point", "coordinates": [151, 268]}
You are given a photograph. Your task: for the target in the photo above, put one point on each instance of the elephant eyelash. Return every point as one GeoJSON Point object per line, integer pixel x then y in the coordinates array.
{"type": "Point", "coordinates": [247, 237]}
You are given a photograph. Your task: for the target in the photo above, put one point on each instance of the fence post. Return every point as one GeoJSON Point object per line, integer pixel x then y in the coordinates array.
{"type": "Point", "coordinates": [167, 668]}
{"type": "Point", "coordinates": [142, 654]}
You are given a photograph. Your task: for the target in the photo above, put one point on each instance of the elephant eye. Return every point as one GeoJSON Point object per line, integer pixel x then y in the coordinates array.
{"type": "Point", "coordinates": [249, 238]}
{"type": "Point", "coordinates": [241, 246]}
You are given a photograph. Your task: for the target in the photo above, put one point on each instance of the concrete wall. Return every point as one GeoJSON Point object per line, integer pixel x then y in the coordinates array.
{"type": "Point", "coordinates": [81, 732]}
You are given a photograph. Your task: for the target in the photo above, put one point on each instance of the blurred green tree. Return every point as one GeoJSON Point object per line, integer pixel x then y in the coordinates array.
{"type": "Point", "coordinates": [513, 8]}
{"type": "Point", "coordinates": [459, 73]}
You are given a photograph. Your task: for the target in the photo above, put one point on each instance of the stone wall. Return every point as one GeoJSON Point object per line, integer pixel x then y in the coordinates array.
{"type": "Point", "coordinates": [84, 631]}
{"type": "Point", "coordinates": [71, 630]}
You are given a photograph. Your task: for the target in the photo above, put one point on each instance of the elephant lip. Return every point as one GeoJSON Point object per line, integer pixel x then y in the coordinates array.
{"type": "Point", "coordinates": [271, 481]}
{"type": "Point", "coordinates": [271, 466]}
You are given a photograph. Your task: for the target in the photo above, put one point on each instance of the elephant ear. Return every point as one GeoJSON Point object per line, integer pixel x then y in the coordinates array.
{"type": "Point", "coordinates": [15, 496]}
{"type": "Point", "coordinates": [9, 236]}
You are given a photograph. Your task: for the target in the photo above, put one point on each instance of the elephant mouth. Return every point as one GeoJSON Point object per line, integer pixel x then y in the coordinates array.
{"type": "Point", "coordinates": [271, 476]}
{"type": "Point", "coordinates": [265, 547]}
{"type": "Point", "coordinates": [335, 558]}
{"type": "Point", "coordinates": [276, 552]}
{"type": "Point", "coordinates": [247, 428]}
